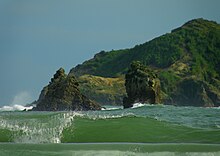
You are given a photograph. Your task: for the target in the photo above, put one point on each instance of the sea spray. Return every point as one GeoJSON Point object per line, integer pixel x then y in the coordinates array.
{"type": "Point", "coordinates": [94, 116]}
{"type": "Point", "coordinates": [15, 108]}
{"type": "Point", "coordinates": [37, 128]}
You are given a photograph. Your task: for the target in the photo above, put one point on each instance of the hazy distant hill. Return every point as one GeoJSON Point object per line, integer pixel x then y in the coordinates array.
{"type": "Point", "coordinates": [187, 61]}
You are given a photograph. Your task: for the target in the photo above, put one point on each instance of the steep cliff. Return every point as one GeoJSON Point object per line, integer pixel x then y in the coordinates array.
{"type": "Point", "coordinates": [194, 92]}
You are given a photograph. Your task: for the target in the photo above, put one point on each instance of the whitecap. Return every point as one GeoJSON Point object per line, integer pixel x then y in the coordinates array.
{"type": "Point", "coordinates": [137, 105]}
{"type": "Point", "coordinates": [15, 108]}
{"type": "Point", "coordinates": [111, 108]}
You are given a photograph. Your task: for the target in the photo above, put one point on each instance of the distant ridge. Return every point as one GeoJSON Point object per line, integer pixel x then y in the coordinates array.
{"type": "Point", "coordinates": [188, 57]}
{"type": "Point", "coordinates": [160, 52]}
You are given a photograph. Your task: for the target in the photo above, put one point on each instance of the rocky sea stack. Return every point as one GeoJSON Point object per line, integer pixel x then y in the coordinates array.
{"type": "Point", "coordinates": [63, 94]}
{"type": "Point", "coordinates": [142, 85]}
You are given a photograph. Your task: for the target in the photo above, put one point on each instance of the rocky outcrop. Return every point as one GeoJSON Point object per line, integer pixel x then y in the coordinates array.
{"type": "Point", "coordinates": [142, 85]}
{"type": "Point", "coordinates": [63, 94]}
{"type": "Point", "coordinates": [194, 92]}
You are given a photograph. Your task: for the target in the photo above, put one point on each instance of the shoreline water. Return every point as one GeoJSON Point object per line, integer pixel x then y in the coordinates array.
{"type": "Point", "coordinates": [122, 146]}
{"type": "Point", "coordinates": [110, 149]}
{"type": "Point", "coordinates": [146, 130]}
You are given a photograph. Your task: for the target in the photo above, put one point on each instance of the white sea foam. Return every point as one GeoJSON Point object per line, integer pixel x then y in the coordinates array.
{"type": "Point", "coordinates": [107, 116]}
{"type": "Point", "coordinates": [113, 153]}
{"type": "Point", "coordinates": [15, 108]}
{"type": "Point", "coordinates": [43, 151]}
{"type": "Point", "coordinates": [42, 129]}
{"type": "Point", "coordinates": [112, 107]}
{"type": "Point", "coordinates": [137, 105]}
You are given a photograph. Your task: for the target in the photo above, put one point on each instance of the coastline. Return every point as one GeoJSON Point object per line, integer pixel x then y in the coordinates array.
{"type": "Point", "coordinates": [121, 146]}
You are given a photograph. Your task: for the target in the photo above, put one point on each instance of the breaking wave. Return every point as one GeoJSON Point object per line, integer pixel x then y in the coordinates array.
{"type": "Point", "coordinates": [15, 108]}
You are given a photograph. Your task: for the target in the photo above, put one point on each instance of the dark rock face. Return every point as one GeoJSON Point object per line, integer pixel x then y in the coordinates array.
{"type": "Point", "coordinates": [63, 94]}
{"type": "Point", "coordinates": [142, 86]}
{"type": "Point", "coordinates": [193, 92]}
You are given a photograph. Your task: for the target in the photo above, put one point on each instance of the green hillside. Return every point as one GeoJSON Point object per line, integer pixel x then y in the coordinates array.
{"type": "Point", "coordinates": [105, 91]}
{"type": "Point", "coordinates": [190, 52]}
{"type": "Point", "coordinates": [196, 42]}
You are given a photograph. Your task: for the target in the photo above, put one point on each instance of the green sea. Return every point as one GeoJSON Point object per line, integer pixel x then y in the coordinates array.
{"type": "Point", "coordinates": [142, 130]}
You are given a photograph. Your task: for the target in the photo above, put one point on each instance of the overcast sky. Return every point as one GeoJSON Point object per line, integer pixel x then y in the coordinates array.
{"type": "Point", "coordinates": [39, 36]}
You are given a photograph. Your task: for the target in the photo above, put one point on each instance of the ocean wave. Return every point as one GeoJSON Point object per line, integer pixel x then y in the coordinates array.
{"type": "Point", "coordinates": [15, 108]}
{"type": "Point", "coordinates": [107, 116]}
{"type": "Point", "coordinates": [213, 107]}
{"type": "Point", "coordinates": [107, 108]}
{"type": "Point", "coordinates": [137, 105]}
{"type": "Point", "coordinates": [37, 128]}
